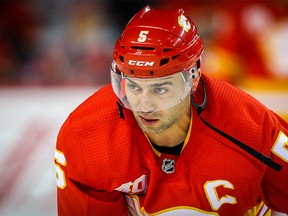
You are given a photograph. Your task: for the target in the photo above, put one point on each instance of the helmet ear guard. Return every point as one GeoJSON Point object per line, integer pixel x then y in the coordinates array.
{"type": "Point", "coordinates": [196, 79]}
{"type": "Point", "coordinates": [196, 75]}
{"type": "Point", "coordinates": [193, 75]}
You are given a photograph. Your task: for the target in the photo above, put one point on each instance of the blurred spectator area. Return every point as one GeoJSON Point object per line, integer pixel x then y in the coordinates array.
{"type": "Point", "coordinates": [55, 42]}
{"type": "Point", "coordinates": [52, 42]}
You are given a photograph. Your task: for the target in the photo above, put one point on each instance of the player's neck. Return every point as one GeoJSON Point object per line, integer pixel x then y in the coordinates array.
{"type": "Point", "coordinates": [174, 135]}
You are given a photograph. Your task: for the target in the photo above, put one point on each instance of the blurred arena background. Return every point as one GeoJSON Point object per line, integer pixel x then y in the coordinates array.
{"type": "Point", "coordinates": [55, 53]}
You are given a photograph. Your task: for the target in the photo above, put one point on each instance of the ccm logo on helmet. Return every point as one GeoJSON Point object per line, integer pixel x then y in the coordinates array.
{"type": "Point", "coordinates": [140, 63]}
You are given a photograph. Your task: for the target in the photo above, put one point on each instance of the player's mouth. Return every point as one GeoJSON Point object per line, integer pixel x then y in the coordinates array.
{"type": "Point", "coordinates": [148, 121]}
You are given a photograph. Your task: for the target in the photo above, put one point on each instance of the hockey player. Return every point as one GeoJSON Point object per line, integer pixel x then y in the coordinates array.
{"type": "Point", "coordinates": [164, 139]}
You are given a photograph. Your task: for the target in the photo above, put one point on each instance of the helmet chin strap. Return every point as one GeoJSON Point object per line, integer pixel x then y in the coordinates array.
{"type": "Point", "coordinates": [200, 107]}
{"type": "Point", "coordinates": [120, 109]}
{"type": "Point", "coordinates": [258, 155]}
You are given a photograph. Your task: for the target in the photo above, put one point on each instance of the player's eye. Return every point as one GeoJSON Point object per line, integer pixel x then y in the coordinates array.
{"type": "Point", "coordinates": [134, 88]}
{"type": "Point", "coordinates": [160, 91]}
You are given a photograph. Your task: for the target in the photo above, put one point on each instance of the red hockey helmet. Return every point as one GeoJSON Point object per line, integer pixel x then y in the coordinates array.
{"type": "Point", "coordinates": [155, 44]}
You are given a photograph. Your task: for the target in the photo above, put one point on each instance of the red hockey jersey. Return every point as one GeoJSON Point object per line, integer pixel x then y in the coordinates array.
{"type": "Point", "coordinates": [105, 165]}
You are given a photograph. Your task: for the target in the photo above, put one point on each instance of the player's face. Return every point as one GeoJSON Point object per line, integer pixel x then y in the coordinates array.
{"type": "Point", "coordinates": [158, 103]}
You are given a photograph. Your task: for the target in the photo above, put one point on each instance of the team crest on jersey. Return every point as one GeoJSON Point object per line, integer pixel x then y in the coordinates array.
{"type": "Point", "coordinates": [184, 23]}
{"type": "Point", "coordinates": [168, 166]}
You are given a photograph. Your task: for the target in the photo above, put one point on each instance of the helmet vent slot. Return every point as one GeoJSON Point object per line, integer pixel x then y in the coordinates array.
{"type": "Point", "coordinates": [164, 61]}
{"type": "Point", "coordinates": [166, 49]}
{"type": "Point", "coordinates": [176, 56]}
{"type": "Point", "coordinates": [142, 48]}
{"type": "Point", "coordinates": [121, 58]}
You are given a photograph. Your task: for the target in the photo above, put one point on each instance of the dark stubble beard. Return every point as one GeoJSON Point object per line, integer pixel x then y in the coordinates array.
{"type": "Point", "coordinates": [167, 117]}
